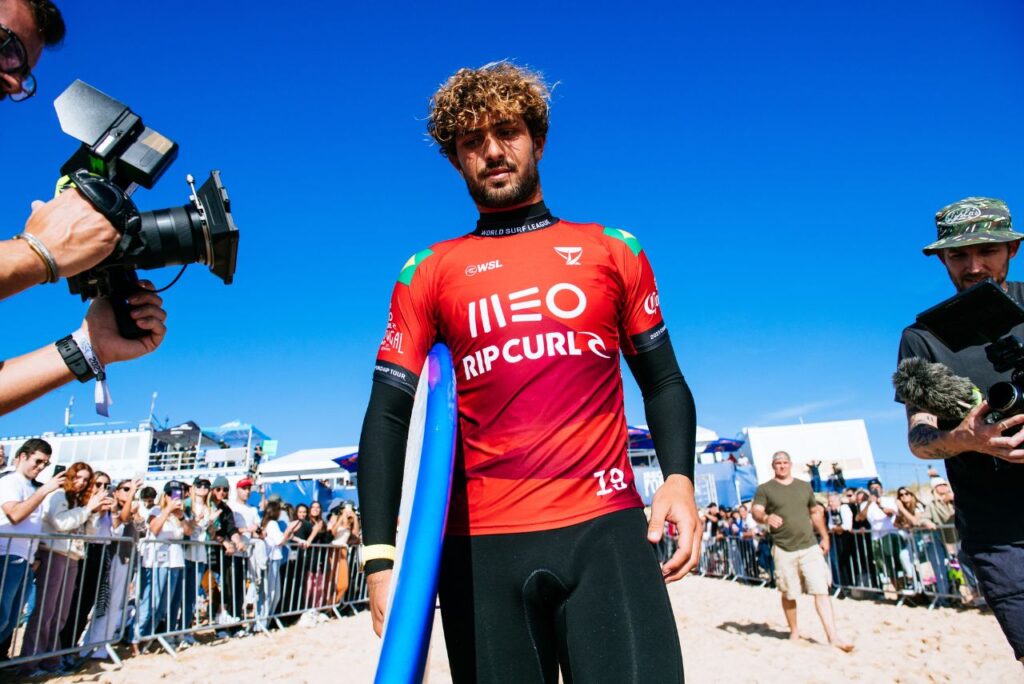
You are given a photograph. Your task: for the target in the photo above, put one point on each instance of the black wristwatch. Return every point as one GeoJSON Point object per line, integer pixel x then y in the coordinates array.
{"type": "Point", "coordinates": [74, 359]}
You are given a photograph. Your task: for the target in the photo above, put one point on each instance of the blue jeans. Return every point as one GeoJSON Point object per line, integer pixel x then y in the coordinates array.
{"type": "Point", "coordinates": [193, 584]}
{"type": "Point", "coordinates": [935, 552]}
{"type": "Point", "coordinates": [160, 599]}
{"type": "Point", "coordinates": [13, 591]}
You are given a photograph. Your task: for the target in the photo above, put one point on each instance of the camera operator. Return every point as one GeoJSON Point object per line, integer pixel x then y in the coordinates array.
{"type": "Point", "coordinates": [70, 230]}
{"type": "Point", "coordinates": [985, 467]}
{"type": "Point", "coordinates": [62, 237]}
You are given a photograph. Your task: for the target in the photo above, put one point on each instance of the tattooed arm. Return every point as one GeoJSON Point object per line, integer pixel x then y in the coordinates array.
{"type": "Point", "coordinates": [928, 441]}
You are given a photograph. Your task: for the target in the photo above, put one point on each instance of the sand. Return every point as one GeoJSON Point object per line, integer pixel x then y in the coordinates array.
{"type": "Point", "coordinates": [729, 633]}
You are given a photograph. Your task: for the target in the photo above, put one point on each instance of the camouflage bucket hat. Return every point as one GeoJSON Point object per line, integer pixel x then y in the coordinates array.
{"type": "Point", "coordinates": [973, 221]}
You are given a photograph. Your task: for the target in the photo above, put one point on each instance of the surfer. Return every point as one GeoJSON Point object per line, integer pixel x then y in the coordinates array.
{"type": "Point", "coordinates": [548, 560]}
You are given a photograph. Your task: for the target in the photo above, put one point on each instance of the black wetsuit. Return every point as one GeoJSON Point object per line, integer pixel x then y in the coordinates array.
{"type": "Point", "coordinates": [587, 595]}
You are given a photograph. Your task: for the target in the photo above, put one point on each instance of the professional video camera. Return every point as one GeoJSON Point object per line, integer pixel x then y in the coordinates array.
{"type": "Point", "coordinates": [981, 314]}
{"type": "Point", "coordinates": [118, 154]}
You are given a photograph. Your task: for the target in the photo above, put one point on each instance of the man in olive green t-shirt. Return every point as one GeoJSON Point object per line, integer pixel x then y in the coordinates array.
{"type": "Point", "coordinates": [787, 506]}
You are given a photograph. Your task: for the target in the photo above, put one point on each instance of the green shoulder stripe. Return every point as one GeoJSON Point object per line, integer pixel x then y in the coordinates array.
{"type": "Point", "coordinates": [627, 237]}
{"type": "Point", "coordinates": [405, 277]}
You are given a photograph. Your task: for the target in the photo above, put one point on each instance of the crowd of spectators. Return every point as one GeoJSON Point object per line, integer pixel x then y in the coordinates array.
{"type": "Point", "coordinates": [192, 556]}
{"type": "Point", "coordinates": [903, 542]}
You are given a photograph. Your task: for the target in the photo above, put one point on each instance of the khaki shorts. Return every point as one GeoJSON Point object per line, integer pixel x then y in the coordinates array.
{"type": "Point", "coordinates": [804, 570]}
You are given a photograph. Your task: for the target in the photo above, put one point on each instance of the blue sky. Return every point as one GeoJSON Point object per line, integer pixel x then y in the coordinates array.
{"type": "Point", "coordinates": [780, 162]}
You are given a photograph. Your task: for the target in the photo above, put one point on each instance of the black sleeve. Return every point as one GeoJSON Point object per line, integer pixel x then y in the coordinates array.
{"type": "Point", "coordinates": [668, 404]}
{"type": "Point", "coordinates": [226, 523]}
{"type": "Point", "coordinates": [381, 465]}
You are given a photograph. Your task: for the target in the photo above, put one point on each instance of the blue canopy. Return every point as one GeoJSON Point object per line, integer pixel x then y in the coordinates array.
{"type": "Point", "coordinates": [299, 492]}
{"type": "Point", "coordinates": [235, 434]}
{"type": "Point", "coordinates": [723, 445]}
{"type": "Point", "coordinates": [349, 462]}
{"type": "Point", "coordinates": [639, 437]}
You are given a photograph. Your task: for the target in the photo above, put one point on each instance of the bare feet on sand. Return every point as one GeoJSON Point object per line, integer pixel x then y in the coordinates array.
{"type": "Point", "coordinates": [844, 647]}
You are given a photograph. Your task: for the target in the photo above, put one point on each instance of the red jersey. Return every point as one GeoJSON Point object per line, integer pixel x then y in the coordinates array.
{"type": "Point", "coordinates": [535, 317]}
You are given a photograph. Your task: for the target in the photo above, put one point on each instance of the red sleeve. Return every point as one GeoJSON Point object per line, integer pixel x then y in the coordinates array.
{"type": "Point", "coordinates": [642, 327]}
{"type": "Point", "coordinates": [411, 326]}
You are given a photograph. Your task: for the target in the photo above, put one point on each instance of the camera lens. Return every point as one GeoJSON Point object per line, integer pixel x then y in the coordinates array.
{"type": "Point", "coordinates": [1006, 398]}
{"type": "Point", "coordinates": [170, 236]}
{"type": "Point", "coordinates": [179, 235]}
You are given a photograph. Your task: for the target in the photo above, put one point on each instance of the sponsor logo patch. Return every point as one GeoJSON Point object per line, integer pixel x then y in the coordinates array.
{"type": "Point", "coordinates": [651, 303]}
{"type": "Point", "coordinates": [570, 254]}
{"type": "Point", "coordinates": [392, 336]}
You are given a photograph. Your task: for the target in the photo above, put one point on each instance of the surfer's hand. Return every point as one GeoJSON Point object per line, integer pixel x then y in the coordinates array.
{"type": "Point", "coordinates": [674, 502]}
{"type": "Point", "coordinates": [377, 584]}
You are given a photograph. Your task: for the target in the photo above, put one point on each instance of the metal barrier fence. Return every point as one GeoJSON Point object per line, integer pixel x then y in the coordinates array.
{"type": "Point", "coordinates": [902, 564]}
{"type": "Point", "coordinates": [62, 596]}
{"type": "Point", "coordinates": [77, 596]}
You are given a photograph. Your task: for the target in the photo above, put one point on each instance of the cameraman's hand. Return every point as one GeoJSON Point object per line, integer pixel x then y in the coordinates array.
{"type": "Point", "coordinates": [974, 434]}
{"type": "Point", "coordinates": [78, 236]}
{"type": "Point", "coordinates": [107, 342]}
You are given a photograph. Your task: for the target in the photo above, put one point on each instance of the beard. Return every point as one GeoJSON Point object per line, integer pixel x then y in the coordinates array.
{"type": "Point", "coordinates": [516, 190]}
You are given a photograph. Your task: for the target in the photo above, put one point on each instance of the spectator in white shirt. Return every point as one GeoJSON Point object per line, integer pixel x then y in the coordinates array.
{"type": "Point", "coordinates": [66, 511]}
{"type": "Point", "coordinates": [163, 563]}
{"type": "Point", "coordinates": [274, 535]}
{"type": "Point", "coordinates": [198, 509]}
{"type": "Point", "coordinates": [21, 513]}
{"type": "Point", "coordinates": [880, 512]}
{"type": "Point", "coordinates": [110, 608]}
{"type": "Point", "coordinates": [246, 520]}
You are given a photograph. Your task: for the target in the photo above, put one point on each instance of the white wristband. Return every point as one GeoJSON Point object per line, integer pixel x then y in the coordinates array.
{"type": "Point", "coordinates": [101, 395]}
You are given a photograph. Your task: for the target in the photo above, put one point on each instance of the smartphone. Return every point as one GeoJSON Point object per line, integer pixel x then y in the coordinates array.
{"type": "Point", "coordinates": [58, 469]}
{"type": "Point", "coordinates": [176, 494]}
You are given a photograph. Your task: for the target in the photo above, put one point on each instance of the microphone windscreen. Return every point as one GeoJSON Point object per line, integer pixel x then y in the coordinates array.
{"type": "Point", "coordinates": [934, 388]}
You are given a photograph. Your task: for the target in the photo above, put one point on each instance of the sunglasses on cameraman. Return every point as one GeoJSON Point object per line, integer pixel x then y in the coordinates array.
{"type": "Point", "coordinates": [14, 61]}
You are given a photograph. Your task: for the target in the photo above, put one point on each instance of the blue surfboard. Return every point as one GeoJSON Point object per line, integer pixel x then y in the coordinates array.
{"type": "Point", "coordinates": [426, 487]}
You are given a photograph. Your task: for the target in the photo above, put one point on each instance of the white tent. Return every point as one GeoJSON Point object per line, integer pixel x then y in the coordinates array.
{"type": "Point", "coordinates": [306, 464]}
{"type": "Point", "coordinates": [839, 441]}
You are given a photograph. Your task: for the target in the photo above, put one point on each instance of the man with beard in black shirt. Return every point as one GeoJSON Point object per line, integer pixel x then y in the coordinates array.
{"type": "Point", "coordinates": [985, 468]}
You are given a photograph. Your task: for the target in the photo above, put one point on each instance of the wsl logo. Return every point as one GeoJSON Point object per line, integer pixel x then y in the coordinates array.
{"type": "Point", "coordinates": [473, 269]}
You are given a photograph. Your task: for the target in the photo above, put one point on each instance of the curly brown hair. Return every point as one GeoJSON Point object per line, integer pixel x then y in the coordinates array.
{"type": "Point", "coordinates": [76, 499]}
{"type": "Point", "coordinates": [496, 88]}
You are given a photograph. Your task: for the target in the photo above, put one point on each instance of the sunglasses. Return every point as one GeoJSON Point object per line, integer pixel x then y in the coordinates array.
{"type": "Point", "coordinates": [220, 489]}
{"type": "Point", "coordinates": [14, 61]}
{"type": "Point", "coordinates": [124, 488]}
